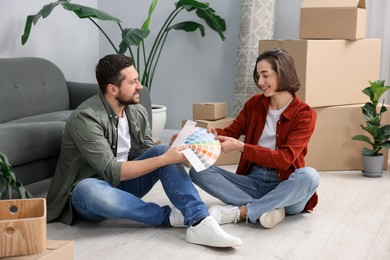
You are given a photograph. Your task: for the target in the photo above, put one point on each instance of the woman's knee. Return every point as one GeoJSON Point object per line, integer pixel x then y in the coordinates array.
{"type": "Point", "coordinates": [310, 175]}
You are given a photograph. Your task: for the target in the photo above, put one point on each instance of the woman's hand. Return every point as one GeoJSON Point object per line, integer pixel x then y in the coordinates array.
{"type": "Point", "coordinates": [230, 144]}
{"type": "Point", "coordinates": [173, 138]}
{"type": "Point", "coordinates": [212, 130]}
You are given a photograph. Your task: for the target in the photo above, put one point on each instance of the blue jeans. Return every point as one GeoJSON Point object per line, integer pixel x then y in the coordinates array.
{"type": "Point", "coordinates": [95, 199]}
{"type": "Point", "coordinates": [261, 190]}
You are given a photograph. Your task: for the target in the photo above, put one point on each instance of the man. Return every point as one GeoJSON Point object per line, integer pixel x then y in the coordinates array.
{"type": "Point", "coordinates": [108, 163]}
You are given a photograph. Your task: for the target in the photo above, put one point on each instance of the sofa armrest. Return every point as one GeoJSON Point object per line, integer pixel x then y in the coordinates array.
{"type": "Point", "coordinates": [78, 92]}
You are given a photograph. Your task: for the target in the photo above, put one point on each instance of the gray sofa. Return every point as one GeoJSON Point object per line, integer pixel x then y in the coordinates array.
{"type": "Point", "coordinates": [35, 102]}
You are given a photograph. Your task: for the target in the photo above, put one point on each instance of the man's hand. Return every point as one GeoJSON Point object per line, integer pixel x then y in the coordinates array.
{"type": "Point", "coordinates": [230, 144]}
{"type": "Point", "coordinates": [174, 154]}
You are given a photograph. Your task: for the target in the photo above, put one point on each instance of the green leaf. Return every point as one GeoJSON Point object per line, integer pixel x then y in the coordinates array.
{"type": "Point", "coordinates": [369, 152]}
{"type": "Point", "coordinates": [188, 27]}
{"type": "Point", "coordinates": [9, 182]}
{"type": "Point", "coordinates": [191, 5]}
{"type": "Point", "coordinates": [206, 13]}
{"type": "Point", "coordinates": [88, 12]}
{"type": "Point", "coordinates": [145, 25]}
{"type": "Point", "coordinates": [362, 138]}
{"type": "Point", "coordinates": [132, 37]}
{"type": "Point", "coordinates": [384, 132]}
{"type": "Point", "coordinates": [33, 19]}
{"type": "Point", "coordinates": [385, 144]}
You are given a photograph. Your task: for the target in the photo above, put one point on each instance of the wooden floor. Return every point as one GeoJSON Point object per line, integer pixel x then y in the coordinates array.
{"type": "Point", "coordinates": [351, 221]}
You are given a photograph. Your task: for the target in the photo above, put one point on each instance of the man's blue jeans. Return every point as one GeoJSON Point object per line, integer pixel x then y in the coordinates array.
{"type": "Point", "coordinates": [95, 199]}
{"type": "Point", "coordinates": [261, 190]}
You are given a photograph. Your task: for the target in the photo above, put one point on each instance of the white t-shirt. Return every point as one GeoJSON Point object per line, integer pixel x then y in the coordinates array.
{"type": "Point", "coordinates": [268, 137]}
{"type": "Point", "coordinates": [124, 141]}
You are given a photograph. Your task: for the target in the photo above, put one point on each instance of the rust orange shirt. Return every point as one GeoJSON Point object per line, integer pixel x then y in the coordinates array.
{"type": "Point", "coordinates": [293, 131]}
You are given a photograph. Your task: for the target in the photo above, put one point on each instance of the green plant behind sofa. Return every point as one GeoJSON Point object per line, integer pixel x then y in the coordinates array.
{"type": "Point", "coordinates": [133, 39]}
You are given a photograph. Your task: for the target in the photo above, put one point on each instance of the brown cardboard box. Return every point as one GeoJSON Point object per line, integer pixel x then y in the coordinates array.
{"type": "Point", "coordinates": [209, 110]}
{"type": "Point", "coordinates": [332, 72]}
{"type": "Point", "coordinates": [333, 19]}
{"type": "Point", "coordinates": [55, 249]}
{"type": "Point", "coordinates": [232, 157]}
{"type": "Point", "coordinates": [331, 147]}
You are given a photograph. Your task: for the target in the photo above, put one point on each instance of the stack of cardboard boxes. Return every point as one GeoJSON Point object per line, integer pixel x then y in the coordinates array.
{"type": "Point", "coordinates": [214, 114]}
{"type": "Point", "coordinates": [334, 63]}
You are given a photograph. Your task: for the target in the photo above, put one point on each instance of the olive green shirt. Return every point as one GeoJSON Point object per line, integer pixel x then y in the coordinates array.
{"type": "Point", "coordinates": [88, 150]}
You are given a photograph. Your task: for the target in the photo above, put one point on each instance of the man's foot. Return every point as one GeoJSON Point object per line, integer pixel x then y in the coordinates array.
{"type": "Point", "coordinates": [176, 218]}
{"type": "Point", "coordinates": [271, 218]}
{"type": "Point", "coordinates": [209, 233]}
{"type": "Point", "coordinates": [225, 214]}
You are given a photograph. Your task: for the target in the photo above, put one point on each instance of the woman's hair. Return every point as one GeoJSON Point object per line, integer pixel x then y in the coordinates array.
{"type": "Point", "coordinates": [108, 70]}
{"type": "Point", "coordinates": [283, 64]}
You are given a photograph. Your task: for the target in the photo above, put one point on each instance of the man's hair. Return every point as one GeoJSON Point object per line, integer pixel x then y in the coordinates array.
{"type": "Point", "coordinates": [283, 64]}
{"type": "Point", "coordinates": [108, 70]}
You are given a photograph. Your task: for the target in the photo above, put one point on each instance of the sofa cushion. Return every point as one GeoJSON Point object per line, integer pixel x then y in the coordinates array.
{"type": "Point", "coordinates": [54, 116]}
{"type": "Point", "coordinates": [31, 86]}
{"type": "Point", "coordinates": [26, 142]}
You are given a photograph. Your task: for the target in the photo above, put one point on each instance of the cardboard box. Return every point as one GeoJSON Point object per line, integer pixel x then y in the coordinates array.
{"type": "Point", "coordinates": [209, 111]}
{"type": "Point", "coordinates": [331, 147]}
{"type": "Point", "coordinates": [55, 249]}
{"type": "Point", "coordinates": [232, 157]}
{"type": "Point", "coordinates": [332, 72]}
{"type": "Point", "coordinates": [22, 227]}
{"type": "Point", "coordinates": [333, 19]}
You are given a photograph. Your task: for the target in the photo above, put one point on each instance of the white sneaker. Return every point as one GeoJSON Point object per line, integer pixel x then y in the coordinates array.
{"type": "Point", "coordinates": [271, 218]}
{"type": "Point", "coordinates": [176, 218]}
{"type": "Point", "coordinates": [225, 214]}
{"type": "Point", "coordinates": [209, 233]}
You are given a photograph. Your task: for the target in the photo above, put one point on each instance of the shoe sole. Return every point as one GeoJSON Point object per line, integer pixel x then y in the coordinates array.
{"type": "Point", "coordinates": [272, 218]}
{"type": "Point", "coordinates": [194, 241]}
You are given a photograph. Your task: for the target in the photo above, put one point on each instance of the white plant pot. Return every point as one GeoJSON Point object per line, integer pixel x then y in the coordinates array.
{"type": "Point", "coordinates": [159, 118]}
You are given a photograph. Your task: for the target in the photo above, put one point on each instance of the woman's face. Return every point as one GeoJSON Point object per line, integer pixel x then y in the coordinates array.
{"type": "Point", "coordinates": [268, 80]}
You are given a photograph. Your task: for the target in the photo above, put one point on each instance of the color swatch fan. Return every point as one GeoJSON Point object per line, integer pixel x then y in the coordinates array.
{"type": "Point", "coordinates": [203, 149]}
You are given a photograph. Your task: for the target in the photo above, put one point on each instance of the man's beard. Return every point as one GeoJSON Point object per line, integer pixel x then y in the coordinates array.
{"type": "Point", "coordinates": [125, 102]}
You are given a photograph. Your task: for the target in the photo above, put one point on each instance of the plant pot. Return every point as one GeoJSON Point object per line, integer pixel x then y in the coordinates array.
{"type": "Point", "coordinates": [159, 118]}
{"type": "Point", "coordinates": [372, 165]}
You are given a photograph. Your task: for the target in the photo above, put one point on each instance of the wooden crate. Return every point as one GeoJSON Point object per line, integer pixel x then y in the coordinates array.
{"type": "Point", "coordinates": [22, 227]}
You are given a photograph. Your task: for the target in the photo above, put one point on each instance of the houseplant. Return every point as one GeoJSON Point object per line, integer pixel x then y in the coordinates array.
{"type": "Point", "coordinates": [134, 40]}
{"type": "Point", "coordinates": [378, 134]}
{"type": "Point", "coordinates": [9, 183]}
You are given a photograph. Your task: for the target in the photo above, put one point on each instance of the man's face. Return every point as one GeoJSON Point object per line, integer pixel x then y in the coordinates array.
{"type": "Point", "coordinates": [129, 88]}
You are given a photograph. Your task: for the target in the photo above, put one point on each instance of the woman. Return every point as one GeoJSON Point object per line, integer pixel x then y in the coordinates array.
{"type": "Point", "coordinates": [271, 179]}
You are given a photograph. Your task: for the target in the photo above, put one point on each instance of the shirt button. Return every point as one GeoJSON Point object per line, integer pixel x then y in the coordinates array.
{"type": "Point", "coordinates": [113, 146]}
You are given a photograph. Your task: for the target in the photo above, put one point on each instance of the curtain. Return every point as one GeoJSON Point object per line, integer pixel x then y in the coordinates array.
{"type": "Point", "coordinates": [257, 23]}
{"type": "Point", "coordinates": [378, 26]}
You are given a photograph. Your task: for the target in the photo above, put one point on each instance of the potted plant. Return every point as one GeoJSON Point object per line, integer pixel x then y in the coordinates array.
{"type": "Point", "coordinates": [378, 134]}
{"type": "Point", "coordinates": [134, 42]}
{"type": "Point", "coordinates": [9, 183]}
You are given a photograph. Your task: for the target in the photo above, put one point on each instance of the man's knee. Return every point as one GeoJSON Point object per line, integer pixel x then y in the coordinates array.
{"type": "Point", "coordinates": [160, 149]}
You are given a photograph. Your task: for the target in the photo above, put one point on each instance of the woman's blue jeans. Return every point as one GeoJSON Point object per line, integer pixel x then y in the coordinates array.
{"type": "Point", "coordinates": [95, 199]}
{"type": "Point", "coordinates": [261, 190]}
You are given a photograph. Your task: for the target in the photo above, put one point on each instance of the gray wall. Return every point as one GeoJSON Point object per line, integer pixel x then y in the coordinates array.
{"type": "Point", "coordinates": [62, 38]}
